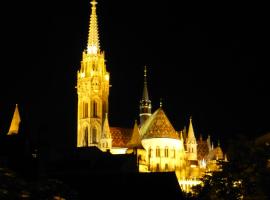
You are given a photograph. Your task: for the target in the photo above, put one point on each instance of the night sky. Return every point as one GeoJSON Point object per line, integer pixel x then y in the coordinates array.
{"type": "Point", "coordinates": [203, 61]}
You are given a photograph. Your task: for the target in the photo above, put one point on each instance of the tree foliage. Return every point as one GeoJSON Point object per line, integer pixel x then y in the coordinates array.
{"type": "Point", "coordinates": [245, 176]}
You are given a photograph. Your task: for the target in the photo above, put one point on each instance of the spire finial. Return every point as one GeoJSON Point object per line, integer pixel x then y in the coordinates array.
{"type": "Point", "coordinates": [93, 39]}
{"type": "Point", "coordinates": [160, 103]}
{"type": "Point", "coordinates": [145, 73]}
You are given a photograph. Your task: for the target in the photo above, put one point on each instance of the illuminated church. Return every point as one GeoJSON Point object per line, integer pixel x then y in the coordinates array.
{"type": "Point", "coordinates": [155, 142]}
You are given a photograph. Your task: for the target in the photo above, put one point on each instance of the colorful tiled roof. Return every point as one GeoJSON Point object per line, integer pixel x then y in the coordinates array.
{"type": "Point", "coordinates": [158, 126]}
{"type": "Point", "coordinates": [120, 136]}
{"type": "Point", "coordinates": [202, 149]}
{"type": "Point", "coordinates": [135, 141]}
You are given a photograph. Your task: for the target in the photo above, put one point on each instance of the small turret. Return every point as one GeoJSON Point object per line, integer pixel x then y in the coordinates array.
{"type": "Point", "coordinates": [15, 123]}
{"type": "Point", "coordinates": [145, 103]}
{"type": "Point", "coordinates": [106, 138]}
{"type": "Point", "coordinates": [135, 141]}
{"type": "Point", "coordinates": [191, 143]}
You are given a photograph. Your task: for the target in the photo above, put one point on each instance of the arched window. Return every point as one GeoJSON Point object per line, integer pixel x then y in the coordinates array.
{"type": "Point", "coordinates": [94, 135]}
{"type": "Point", "coordinates": [166, 152]}
{"type": "Point", "coordinates": [150, 152]}
{"type": "Point", "coordinates": [157, 167]}
{"type": "Point", "coordinates": [157, 152]}
{"type": "Point", "coordinates": [85, 139]}
{"type": "Point", "coordinates": [85, 110]}
{"type": "Point", "coordinates": [173, 153]}
{"type": "Point", "coordinates": [166, 167]}
{"type": "Point", "coordinates": [95, 109]}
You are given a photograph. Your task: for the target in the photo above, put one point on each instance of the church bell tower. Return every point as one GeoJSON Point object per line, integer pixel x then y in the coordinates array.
{"type": "Point", "coordinates": [92, 88]}
{"type": "Point", "coordinates": [145, 103]}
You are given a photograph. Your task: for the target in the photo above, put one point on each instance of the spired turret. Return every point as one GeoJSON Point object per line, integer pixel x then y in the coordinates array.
{"type": "Point", "coordinates": [145, 103]}
{"type": "Point", "coordinates": [15, 123]}
{"type": "Point", "coordinates": [191, 143]}
{"type": "Point", "coordinates": [106, 137]}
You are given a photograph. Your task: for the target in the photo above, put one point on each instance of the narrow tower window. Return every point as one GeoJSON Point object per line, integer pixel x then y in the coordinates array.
{"type": "Point", "coordinates": [85, 110]}
{"type": "Point", "coordinates": [166, 167]}
{"type": "Point", "coordinates": [94, 135]}
{"type": "Point", "coordinates": [85, 139]}
{"type": "Point", "coordinates": [157, 152]}
{"type": "Point", "coordinates": [150, 152]}
{"type": "Point", "coordinates": [166, 152]}
{"type": "Point", "coordinates": [94, 114]}
{"type": "Point", "coordinates": [173, 153]}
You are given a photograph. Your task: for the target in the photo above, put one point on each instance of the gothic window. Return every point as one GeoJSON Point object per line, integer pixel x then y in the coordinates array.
{"type": "Point", "coordinates": [157, 167]}
{"type": "Point", "coordinates": [166, 152]}
{"type": "Point", "coordinates": [95, 109]}
{"type": "Point", "coordinates": [173, 153]}
{"type": "Point", "coordinates": [85, 110]}
{"type": "Point", "coordinates": [85, 139]}
{"type": "Point", "coordinates": [94, 135]}
{"type": "Point", "coordinates": [157, 152]}
{"type": "Point", "coordinates": [150, 152]}
{"type": "Point", "coordinates": [166, 167]}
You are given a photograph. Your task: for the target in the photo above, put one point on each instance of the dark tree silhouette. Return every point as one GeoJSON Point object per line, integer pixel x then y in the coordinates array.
{"type": "Point", "coordinates": [245, 176]}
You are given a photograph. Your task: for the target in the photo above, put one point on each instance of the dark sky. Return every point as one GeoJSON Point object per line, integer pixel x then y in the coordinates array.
{"type": "Point", "coordinates": [203, 60]}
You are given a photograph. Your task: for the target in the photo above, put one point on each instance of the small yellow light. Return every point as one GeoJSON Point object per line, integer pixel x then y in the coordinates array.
{"type": "Point", "coordinates": [107, 77]}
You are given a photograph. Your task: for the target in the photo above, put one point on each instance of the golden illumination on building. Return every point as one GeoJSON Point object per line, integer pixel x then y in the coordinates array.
{"type": "Point", "coordinates": [155, 142]}
{"type": "Point", "coordinates": [92, 89]}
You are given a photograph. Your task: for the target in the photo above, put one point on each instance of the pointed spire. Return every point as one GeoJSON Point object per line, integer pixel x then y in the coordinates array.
{"type": "Point", "coordinates": [190, 129]}
{"type": "Point", "coordinates": [15, 123]}
{"type": "Point", "coordinates": [135, 140]}
{"type": "Point", "coordinates": [106, 133]}
{"type": "Point", "coordinates": [212, 147]}
{"type": "Point", "coordinates": [145, 90]}
{"type": "Point", "coordinates": [225, 158]}
{"type": "Point", "coordinates": [181, 135]}
{"type": "Point", "coordinates": [93, 39]}
{"type": "Point", "coordinates": [145, 103]}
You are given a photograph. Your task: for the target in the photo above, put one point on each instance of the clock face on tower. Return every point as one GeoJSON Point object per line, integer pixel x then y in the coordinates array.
{"type": "Point", "coordinates": [95, 83]}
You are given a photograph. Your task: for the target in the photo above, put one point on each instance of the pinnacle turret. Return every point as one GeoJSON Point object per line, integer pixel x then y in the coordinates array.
{"type": "Point", "coordinates": [191, 134]}
{"type": "Point", "coordinates": [15, 123]}
{"type": "Point", "coordinates": [145, 103]}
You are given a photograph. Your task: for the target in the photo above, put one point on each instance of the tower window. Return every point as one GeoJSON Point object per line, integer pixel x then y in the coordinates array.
{"type": "Point", "coordinates": [150, 152]}
{"type": "Point", "coordinates": [166, 152]}
{"type": "Point", "coordinates": [95, 105]}
{"type": "Point", "coordinates": [166, 167]}
{"type": "Point", "coordinates": [157, 167]}
{"type": "Point", "coordinates": [85, 139]}
{"type": "Point", "coordinates": [157, 152]}
{"type": "Point", "coordinates": [94, 136]}
{"type": "Point", "coordinates": [173, 153]}
{"type": "Point", "coordinates": [85, 110]}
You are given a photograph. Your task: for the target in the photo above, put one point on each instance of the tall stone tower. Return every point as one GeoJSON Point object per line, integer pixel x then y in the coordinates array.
{"type": "Point", "coordinates": [92, 88]}
{"type": "Point", "coordinates": [145, 103]}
